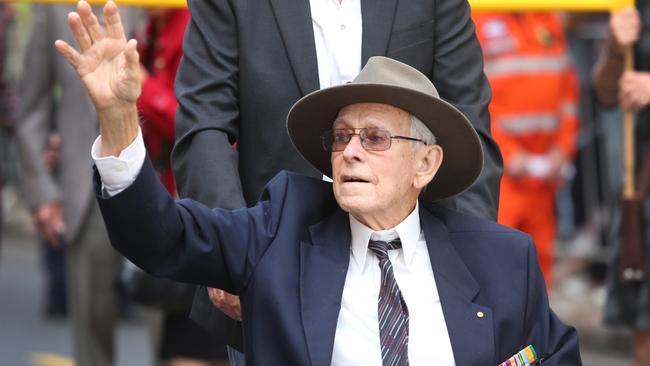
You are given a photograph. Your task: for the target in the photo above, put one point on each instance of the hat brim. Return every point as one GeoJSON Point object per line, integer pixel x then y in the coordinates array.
{"type": "Point", "coordinates": [462, 153]}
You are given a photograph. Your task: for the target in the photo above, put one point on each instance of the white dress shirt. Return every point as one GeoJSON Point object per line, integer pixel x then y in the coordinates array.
{"type": "Point", "coordinates": [118, 172]}
{"type": "Point", "coordinates": [357, 330]}
{"type": "Point", "coordinates": [337, 33]}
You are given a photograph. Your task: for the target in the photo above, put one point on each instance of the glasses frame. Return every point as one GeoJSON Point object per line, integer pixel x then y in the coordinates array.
{"type": "Point", "coordinates": [362, 133]}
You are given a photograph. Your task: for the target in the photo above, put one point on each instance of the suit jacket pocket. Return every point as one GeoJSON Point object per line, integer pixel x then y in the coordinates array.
{"type": "Point", "coordinates": [410, 36]}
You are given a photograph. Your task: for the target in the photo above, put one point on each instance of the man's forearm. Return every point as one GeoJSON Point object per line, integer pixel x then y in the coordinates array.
{"type": "Point", "coordinates": [606, 74]}
{"type": "Point", "coordinates": [118, 127]}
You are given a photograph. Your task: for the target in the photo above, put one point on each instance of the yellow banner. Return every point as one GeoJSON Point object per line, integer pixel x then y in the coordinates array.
{"type": "Point", "coordinates": [145, 3]}
{"type": "Point", "coordinates": [494, 5]}
{"type": "Point", "coordinates": [550, 5]}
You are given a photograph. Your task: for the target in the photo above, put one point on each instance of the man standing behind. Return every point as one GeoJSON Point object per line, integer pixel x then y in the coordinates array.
{"type": "Point", "coordinates": [64, 210]}
{"type": "Point", "coordinates": [182, 342]}
{"type": "Point", "coordinates": [244, 66]}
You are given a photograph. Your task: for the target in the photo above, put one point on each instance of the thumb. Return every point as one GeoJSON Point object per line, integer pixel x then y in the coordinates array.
{"type": "Point", "coordinates": [132, 59]}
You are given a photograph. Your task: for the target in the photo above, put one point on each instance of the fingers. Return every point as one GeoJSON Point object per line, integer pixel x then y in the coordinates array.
{"type": "Point", "coordinates": [633, 90]}
{"type": "Point", "coordinates": [79, 32]}
{"type": "Point", "coordinates": [70, 54]}
{"type": "Point", "coordinates": [49, 220]}
{"type": "Point", "coordinates": [90, 21]}
{"type": "Point", "coordinates": [131, 54]}
{"type": "Point", "coordinates": [132, 58]}
{"type": "Point", "coordinates": [236, 306]}
{"type": "Point", "coordinates": [114, 28]}
{"type": "Point", "coordinates": [216, 296]}
{"type": "Point", "coordinates": [229, 304]}
{"type": "Point", "coordinates": [625, 26]}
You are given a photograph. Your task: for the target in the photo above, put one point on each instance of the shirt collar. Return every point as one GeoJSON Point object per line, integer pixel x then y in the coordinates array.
{"type": "Point", "coordinates": [408, 231]}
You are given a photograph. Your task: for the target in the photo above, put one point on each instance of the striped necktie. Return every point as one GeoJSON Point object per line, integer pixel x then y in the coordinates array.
{"type": "Point", "coordinates": [392, 310]}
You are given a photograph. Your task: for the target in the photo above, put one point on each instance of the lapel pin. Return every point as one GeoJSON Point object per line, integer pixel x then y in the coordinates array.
{"type": "Point", "coordinates": [480, 314]}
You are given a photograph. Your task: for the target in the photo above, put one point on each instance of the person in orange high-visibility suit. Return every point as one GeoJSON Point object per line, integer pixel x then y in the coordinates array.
{"type": "Point", "coordinates": [534, 118]}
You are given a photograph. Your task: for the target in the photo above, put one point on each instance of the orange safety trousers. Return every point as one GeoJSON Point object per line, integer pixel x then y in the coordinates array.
{"type": "Point", "coordinates": [533, 212]}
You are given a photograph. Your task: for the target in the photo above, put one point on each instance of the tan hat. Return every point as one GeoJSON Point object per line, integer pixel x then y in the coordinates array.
{"type": "Point", "coordinates": [384, 80]}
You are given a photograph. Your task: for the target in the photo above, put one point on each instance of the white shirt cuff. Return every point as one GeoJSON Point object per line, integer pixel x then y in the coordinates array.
{"type": "Point", "coordinates": [119, 172]}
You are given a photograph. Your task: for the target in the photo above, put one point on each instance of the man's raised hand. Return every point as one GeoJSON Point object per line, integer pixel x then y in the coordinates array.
{"type": "Point", "coordinates": [109, 68]}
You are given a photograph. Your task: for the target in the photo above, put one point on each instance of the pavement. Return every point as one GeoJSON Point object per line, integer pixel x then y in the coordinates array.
{"type": "Point", "coordinates": [28, 338]}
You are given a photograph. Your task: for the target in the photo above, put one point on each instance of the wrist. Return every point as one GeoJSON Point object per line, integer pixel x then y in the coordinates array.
{"type": "Point", "coordinates": [118, 127]}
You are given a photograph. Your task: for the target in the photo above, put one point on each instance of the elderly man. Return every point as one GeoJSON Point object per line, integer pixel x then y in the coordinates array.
{"type": "Point", "coordinates": [364, 270]}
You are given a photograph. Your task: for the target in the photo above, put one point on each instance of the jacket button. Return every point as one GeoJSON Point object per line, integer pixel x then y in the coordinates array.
{"type": "Point", "coordinates": [480, 314]}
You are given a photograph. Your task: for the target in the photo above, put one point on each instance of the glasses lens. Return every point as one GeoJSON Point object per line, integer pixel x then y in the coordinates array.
{"type": "Point", "coordinates": [336, 140]}
{"type": "Point", "coordinates": [340, 139]}
{"type": "Point", "coordinates": [375, 139]}
{"type": "Point", "coordinates": [326, 140]}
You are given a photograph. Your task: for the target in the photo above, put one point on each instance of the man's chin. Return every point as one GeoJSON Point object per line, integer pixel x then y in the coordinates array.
{"type": "Point", "coordinates": [352, 204]}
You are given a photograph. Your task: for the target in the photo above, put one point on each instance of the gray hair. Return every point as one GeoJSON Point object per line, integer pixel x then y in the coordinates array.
{"type": "Point", "coordinates": [420, 131]}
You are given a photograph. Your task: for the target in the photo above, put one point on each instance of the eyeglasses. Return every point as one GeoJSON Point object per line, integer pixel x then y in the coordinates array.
{"type": "Point", "coordinates": [372, 139]}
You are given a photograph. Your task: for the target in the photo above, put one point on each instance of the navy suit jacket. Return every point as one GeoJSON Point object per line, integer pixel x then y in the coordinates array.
{"type": "Point", "coordinates": [287, 257]}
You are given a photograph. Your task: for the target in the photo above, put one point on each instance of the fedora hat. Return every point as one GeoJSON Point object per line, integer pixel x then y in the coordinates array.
{"type": "Point", "coordinates": [384, 80]}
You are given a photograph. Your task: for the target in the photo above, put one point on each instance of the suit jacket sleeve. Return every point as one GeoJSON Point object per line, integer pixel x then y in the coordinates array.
{"type": "Point", "coordinates": [35, 111]}
{"type": "Point", "coordinates": [204, 162]}
{"type": "Point", "coordinates": [458, 76]}
{"type": "Point", "coordinates": [555, 343]}
{"type": "Point", "coordinates": [184, 240]}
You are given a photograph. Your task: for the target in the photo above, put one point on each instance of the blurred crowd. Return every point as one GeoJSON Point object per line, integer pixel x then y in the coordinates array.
{"type": "Point", "coordinates": [46, 138]}
{"type": "Point", "coordinates": [560, 86]}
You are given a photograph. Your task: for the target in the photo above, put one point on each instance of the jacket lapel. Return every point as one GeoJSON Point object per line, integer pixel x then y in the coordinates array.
{"type": "Point", "coordinates": [324, 260]}
{"type": "Point", "coordinates": [469, 324]}
{"type": "Point", "coordinates": [294, 21]}
{"type": "Point", "coordinates": [378, 18]}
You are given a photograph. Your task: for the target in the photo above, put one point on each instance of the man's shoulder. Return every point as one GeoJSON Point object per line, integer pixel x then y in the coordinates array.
{"type": "Point", "coordinates": [287, 180]}
{"type": "Point", "coordinates": [298, 190]}
{"type": "Point", "coordinates": [484, 244]}
{"type": "Point", "coordinates": [458, 223]}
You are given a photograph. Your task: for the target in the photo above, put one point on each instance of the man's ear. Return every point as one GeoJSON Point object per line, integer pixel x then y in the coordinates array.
{"type": "Point", "coordinates": [429, 159]}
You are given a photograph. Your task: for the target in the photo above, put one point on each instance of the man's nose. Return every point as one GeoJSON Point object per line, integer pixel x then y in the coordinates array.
{"type": "Point", "coordinates": [354, 149]}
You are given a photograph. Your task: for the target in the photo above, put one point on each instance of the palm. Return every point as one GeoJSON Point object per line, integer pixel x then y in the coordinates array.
{"type": "Point", "coordinates": [103, 72]}
{"type": "Point", "coordinates": [106, 63]}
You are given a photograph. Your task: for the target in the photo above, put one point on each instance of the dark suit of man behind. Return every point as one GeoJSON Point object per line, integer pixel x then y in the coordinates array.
{"type": "Point", "coordinates": [246, 63]}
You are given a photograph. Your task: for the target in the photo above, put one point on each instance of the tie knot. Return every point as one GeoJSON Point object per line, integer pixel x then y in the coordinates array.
{"type": "Point", "coordinates": [381, 248]}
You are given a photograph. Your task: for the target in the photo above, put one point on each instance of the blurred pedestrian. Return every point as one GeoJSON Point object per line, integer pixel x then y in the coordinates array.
{"type": "Point", "coordinates": [183, 342]}
{"type": "Point", "coordinates": [245, 65]}
{"type": "Point", "coordinates": [534, 118]}
{"type": "Point", "coordinates": [56, 304]}
{"type": "Point", "coordinates": [64, 209]}
{"type": "Point", "coordinates": [628, 302]}
{"type": "Point", "coordinates": [6, 98]}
